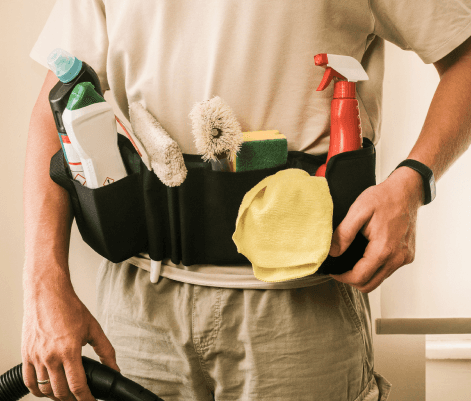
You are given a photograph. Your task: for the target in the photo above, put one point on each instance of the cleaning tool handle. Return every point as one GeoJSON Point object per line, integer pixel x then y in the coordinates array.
{"type": "Point", "coordinates": [104, 382]}
{"type": "Point", "coordinates": [108, 384]}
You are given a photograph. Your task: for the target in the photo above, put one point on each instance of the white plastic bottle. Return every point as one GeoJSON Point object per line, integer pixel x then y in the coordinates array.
{"type": "Point", "coordinates": [91, 126]}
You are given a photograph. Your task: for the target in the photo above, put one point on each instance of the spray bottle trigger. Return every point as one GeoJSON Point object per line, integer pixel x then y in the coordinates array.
{"type": "Point", "coordinates": [329, 74]}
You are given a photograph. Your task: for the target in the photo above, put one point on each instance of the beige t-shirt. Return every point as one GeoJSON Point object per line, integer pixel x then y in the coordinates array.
{"type": "Point", "coordinates": [257, 55]}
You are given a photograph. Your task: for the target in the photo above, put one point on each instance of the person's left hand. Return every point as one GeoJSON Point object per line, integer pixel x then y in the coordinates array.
{"type": "Point", "coordinates": [386, 214]}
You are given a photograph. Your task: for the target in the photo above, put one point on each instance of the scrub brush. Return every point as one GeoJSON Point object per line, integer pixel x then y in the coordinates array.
{"type": "Point", "coordinates": [217, 133]}
{"type": "Point", "coordinates": [166, 157]}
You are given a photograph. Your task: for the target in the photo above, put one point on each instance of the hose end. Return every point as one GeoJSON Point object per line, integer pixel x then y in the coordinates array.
{"type": "Point", "coordinates": [12, 387]}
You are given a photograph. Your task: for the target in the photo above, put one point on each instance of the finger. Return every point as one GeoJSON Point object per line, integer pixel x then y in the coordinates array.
{"type": "Point", "coordinates": [30, 380]}
{"type": "Point", "coordinates": [377, 279]}
{"type": "Point", "coordinates": [77, 379]}
{"type": "Point", "coordinates": [102, 346]}
{"type": "Point", "coordinates": [358, 215]}
{"type": "Point", "coordinates": [374, 257]}
{"type": "Point", "coordinates": [382, 274]}
{"type": "Point", "coordinates": [46, 388]}
{"type": "Point", "coordinates": [58, 383]}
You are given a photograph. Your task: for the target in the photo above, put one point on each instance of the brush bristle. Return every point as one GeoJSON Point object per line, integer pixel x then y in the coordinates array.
{"type": "Point", "coordinates": [210, 114]}
{"type": "Point", "coordinates": [165, 155]}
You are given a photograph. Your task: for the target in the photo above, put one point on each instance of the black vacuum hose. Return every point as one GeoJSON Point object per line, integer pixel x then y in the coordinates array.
{"type": "Point", "coordinates": [105, 384]}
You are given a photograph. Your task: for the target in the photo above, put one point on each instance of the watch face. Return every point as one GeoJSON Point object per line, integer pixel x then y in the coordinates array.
{"type": "Point", "coordinates": [432, 188]}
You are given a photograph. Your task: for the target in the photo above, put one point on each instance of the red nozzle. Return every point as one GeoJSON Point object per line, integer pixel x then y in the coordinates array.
{"type": "Point", "coordinates": [329, 74]}
{"type": "Point", "coordinates": [321, 59]}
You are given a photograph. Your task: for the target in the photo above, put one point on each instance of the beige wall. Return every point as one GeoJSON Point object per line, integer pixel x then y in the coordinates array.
{"type": "Point", "coordinates": [21, 79]}
{"type": "Point", "coordinates": [401, 359]}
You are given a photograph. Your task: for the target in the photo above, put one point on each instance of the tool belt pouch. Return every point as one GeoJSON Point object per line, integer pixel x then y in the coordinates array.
{"type": "Point", "coordinates": [194, 222]}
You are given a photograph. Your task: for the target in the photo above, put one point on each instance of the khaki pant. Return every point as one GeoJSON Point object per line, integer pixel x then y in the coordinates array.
{"type": "Point", "coordinates": [190, 342]}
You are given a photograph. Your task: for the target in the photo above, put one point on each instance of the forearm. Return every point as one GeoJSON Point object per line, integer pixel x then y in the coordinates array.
{"type": "Point", "coordinates": [446, 132]}
{"type": "Point", "coordinates": [47, 210]}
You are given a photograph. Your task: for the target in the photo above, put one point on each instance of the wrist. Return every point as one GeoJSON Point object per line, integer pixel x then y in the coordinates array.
{"type": "Point", "coordinates": [39, 276]}
{"type": "Point", "coordinates": [411, 183]}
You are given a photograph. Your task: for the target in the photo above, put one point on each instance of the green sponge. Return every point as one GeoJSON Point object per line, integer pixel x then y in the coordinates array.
{"type": "Point", "coordinates": [261, 149]}
{"type": "Point", "coordinates": [83, 94]}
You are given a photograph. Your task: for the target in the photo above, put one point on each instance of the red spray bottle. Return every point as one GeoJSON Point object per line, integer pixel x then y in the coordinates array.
{"type": "Point", "coordinates": [345, 126]}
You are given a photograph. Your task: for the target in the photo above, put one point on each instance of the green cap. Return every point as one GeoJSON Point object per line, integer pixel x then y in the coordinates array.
{"type": "Point", "coordinates": [83, 94]}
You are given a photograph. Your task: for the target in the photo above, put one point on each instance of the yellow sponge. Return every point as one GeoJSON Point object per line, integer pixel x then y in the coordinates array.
{"type": "Point", "coordinates": [259, 150]}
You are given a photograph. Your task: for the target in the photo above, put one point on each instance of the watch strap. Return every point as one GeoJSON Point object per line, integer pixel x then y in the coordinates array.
{"type": "Point", "coordinates": [427, 177]}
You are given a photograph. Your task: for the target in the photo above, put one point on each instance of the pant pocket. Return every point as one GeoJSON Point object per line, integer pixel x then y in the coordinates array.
{"type": "Point", "coordinates": [384, 386]}
{"type": "Point", "coordinates": [351, 304]}
{"type": "Point", "coordinates": [377, 389]}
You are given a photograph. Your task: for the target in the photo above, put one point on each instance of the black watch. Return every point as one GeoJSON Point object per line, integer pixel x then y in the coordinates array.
{"type": "Point", "coordinates": [427, 177]}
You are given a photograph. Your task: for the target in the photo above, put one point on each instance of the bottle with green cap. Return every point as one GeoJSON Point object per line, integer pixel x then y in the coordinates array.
{"type": "Point", "coordinates": [70, 71]}
{"type": "Point", "coordinates": [91, 127]}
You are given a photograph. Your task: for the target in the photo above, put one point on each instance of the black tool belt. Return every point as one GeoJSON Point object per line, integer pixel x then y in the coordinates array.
{"type": "Point", "coordinates": [194, 223]}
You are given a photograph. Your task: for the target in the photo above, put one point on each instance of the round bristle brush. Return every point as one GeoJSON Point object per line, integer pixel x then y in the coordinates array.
{"type": "Point", "coordinates": [217, 133]}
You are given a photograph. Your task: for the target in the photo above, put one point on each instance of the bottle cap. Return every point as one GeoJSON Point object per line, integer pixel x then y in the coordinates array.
{"type": "Point", "coordinates": [83, 95]}
{"type": "Point", "coordinates": [64, 65]}
{"type": "Point", "coordinates": [344, 90]}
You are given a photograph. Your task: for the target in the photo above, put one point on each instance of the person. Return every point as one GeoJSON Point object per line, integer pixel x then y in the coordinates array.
{"type": "Point", "coordinates": [207, 332]}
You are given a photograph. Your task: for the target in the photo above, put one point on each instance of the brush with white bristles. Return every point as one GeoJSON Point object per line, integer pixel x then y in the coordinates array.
{"type": "Point", "coordinates": [166, 157]}
{"type": "Point", "coordinates": [218, 135]}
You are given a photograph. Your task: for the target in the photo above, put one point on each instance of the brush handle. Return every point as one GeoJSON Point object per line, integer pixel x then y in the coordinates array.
{"type": "Point", "coordinates": [221, 164]}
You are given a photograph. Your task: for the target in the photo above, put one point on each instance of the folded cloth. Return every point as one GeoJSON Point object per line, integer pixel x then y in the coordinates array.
{"type": "Point", "coordinates": [284, 225]}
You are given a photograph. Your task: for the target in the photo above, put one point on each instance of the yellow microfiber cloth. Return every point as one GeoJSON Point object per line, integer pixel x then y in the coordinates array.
{"type": "Point", "coordinates": [284, 225]}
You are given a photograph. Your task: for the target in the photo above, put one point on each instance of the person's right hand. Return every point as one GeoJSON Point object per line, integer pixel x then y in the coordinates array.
{"type": "Point", "coordinates": [56, 326]}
